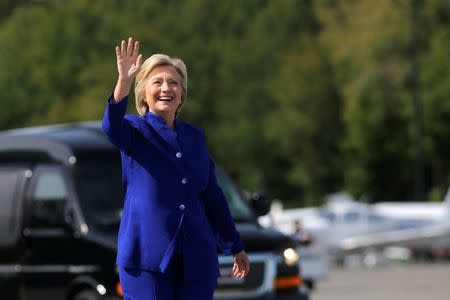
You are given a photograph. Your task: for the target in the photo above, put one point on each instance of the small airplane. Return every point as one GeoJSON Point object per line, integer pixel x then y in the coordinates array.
{"type": "Point", "coordinates": [346, 226]}
{"type": "Point", "coordinates": [422, 227]}
{"type": "Point", "coordinates": [340, 218]}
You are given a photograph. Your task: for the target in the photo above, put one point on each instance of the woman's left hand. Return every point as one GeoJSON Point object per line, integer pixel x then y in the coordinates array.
{"type": "Point", "coordinates": [241, 265]}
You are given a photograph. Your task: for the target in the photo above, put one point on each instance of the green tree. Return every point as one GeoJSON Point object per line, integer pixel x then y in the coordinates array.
{"type": "Point", "coordinates": [305, 126]}
{"type": "Point", "coordinates": [298, 98]}
{"type": "Point", "coordinates": [435, 83]}
{"type": "Point", "coordinates": [24, 61]}
{"type": "Point", "coordinates": [370, 46]}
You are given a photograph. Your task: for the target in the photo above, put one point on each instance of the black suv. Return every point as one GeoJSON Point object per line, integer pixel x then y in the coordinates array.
{"type": "Point", "coordinates": [60, 207]}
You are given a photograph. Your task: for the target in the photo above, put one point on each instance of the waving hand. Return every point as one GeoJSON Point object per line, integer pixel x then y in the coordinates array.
{"type": "Point", "coordinates": [129, 63]}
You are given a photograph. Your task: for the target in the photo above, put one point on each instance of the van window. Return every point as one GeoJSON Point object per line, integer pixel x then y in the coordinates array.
{"type": "Point", "coordinates": [11, 209]}
{"type": "Point", "coordinates": [239, 208]}
{"type": "Point", "coordinates": [50, 187]}
{"type": "Point", "coordinates": [48, 198]}
{"type": "Point", "coordinates": [99, 189]}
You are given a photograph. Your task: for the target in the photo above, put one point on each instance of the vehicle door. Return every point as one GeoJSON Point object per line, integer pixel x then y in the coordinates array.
{"type": "Point", "coordinates": [12, 183]}
{"type": "Point", "coordinates": [48, 237]}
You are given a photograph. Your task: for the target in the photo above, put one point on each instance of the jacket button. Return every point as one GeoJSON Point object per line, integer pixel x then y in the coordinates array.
{"type": "Point", "coordinates": [184, 180]}
{"type": "Point", "coordinates": [181, 207]}
{"type": "Point", "coordinates": [178, 155]}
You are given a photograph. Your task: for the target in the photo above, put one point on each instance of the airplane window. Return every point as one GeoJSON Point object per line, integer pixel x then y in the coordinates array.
{"type": "Point", "coordinates": [373, 218]}
{"type": "Point", "coordinates": [351, 217]}
{"type": "Point", "coordinates": [330, 216]}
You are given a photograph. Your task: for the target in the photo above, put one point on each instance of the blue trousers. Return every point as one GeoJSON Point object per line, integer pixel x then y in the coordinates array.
{"type": "Point", "coordinates": [140, 284]}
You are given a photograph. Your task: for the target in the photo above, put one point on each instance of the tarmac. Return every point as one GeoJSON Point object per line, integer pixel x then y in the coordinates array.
{"type": "Point", "coordinates": [389, 282]}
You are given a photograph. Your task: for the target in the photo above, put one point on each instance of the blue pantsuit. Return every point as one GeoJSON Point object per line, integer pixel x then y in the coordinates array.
{"type": "Point", "coordinates": [173, 207]}
{"type": "Point", "coordinates": [146, 285]}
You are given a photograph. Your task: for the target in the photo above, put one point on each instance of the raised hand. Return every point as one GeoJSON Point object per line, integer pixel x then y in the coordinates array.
{"type": "Point", "coordinates": [129, 63]}
{"type": "Point", "coordinates": [241, 265]}
{"type": "Point", "coordinates": [128, 59]}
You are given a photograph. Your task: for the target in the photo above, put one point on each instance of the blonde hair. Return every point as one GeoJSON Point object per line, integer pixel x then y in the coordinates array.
{"type": "Point", "coordinates": [150, 63]}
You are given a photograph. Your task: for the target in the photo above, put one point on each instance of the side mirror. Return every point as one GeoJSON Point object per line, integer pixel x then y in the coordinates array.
{"type": "Point", "coordinates": [259, 202]}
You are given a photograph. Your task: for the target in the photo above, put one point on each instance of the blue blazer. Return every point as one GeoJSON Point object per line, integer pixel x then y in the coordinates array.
{"type": "Point", "coordinates": [168, 193]}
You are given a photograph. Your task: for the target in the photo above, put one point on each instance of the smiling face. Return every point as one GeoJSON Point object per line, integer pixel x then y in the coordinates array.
{"type": "Point", "coordinates": [163, 91]}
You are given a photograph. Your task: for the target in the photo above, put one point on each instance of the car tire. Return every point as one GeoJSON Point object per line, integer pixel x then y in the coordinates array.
{"type": "Point", "coordinates": [86, 295]}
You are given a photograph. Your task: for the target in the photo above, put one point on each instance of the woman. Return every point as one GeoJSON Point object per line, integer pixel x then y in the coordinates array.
{"type": "Point", "coordinates": [175, 214]}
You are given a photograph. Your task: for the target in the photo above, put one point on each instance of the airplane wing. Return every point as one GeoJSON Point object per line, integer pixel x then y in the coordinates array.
{"type": "Point", "coordinates": [400, 237]}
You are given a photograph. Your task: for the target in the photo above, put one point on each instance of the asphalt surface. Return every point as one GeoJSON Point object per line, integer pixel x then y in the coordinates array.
{"type": "Point", "coordinates": [396, 282]}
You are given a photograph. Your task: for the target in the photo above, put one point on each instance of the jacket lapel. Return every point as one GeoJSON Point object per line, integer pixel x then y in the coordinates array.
{"type": "Point", "coordinates": [153, 137]}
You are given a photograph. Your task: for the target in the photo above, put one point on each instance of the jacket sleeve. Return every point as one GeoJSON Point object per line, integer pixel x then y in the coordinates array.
{"type": "Point", "coordinates": [219, 216]}
{"type": "Point", "coordinates": [116, 127]}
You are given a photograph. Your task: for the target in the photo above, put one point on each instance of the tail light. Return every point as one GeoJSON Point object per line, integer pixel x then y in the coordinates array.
{"type": "Point", "coordinates": [288, 282]}
{"type": "Point", "coordinates": [119, 289]}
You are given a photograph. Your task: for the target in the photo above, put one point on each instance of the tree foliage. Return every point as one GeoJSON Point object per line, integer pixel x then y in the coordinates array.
{"type": "Point", "coordinates": [298, 98]}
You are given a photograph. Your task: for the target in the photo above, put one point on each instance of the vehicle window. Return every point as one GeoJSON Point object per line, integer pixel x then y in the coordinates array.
{"type": "Point", "coordinates": [351, 217]}
{"type": "Point", "coordinates": [11, 182]}
{"type": "Point", "coordinates": [50, 187]}
{"type": "Point", "coordinates": [48, 199]}
{"type": "Point", "coordinates": [99, 189]}
{"type": "Point", "coordinates": [374, 218]}
{"type": "Point", "coordinates": [237, 203]}
{"type": "Point", "coordinates": [330, 216]}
